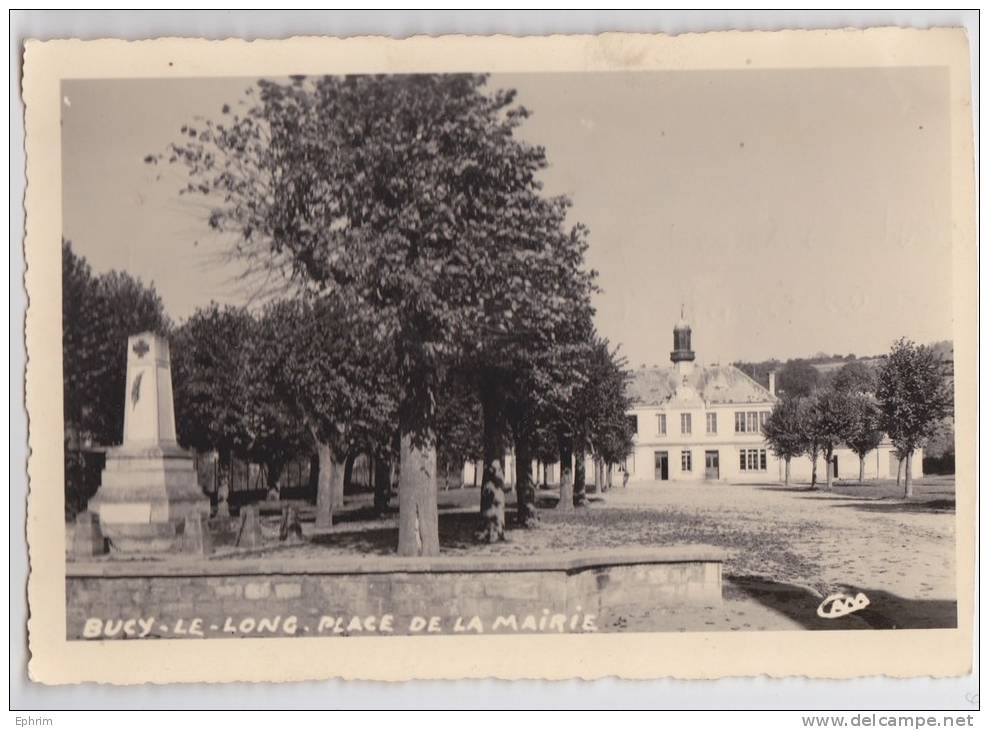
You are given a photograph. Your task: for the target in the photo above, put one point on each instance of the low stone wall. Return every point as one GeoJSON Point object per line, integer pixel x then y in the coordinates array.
{"type": "Point", "coordinates": [226, 597]}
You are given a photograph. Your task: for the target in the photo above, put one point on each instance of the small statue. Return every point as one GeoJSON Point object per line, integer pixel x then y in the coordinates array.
{"type": "Point", "coordinates": [492, 504]}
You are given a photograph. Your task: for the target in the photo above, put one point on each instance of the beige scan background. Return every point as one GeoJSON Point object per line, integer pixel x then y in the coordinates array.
{"type": "Point", "coordinates": [936, 652]}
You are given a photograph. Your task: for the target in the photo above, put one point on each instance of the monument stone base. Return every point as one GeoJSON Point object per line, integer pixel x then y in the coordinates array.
{"type": "Point", "coordinates": [145, 496]}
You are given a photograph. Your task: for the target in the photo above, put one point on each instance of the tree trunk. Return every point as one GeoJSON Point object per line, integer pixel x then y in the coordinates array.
{"type": "Point", "coordinates": [324, 486]}
{"type": "Point", "coordinates": [827, 465]}
{"type": "Point", "coordinates": [786, 472]}
{"type": "Point", "coordinates": [493, 441]}
{"type": "Point", "coordinates": [813, 470]}
{"type": "Point", "coordinates": [598, 475]}
{"type": "Point", "coordinates": [348, 470]}
{"type": "Point", "coordinates": [579, 478]}
{"type": "Point", "coordinates": [338, 476]}
{"type": "Point", "coordinates": [899, 470]}
{"type": "Point", "coordinates": [418, 518]}
{"type": "Point", "coordinates": [313, 485]}
{"type": "Point", "coordinates": [861, 468]}
{"type": "Point", "coordinates": [382, 485]}
{"type": "Point", "coordinates": [908, 476]}
{"type": "Point", "coordinates": [566, 476]}
{"type": "Point", "coordinates": [525, 490]}
{"type": "Point", "coordinates": [609, 480]}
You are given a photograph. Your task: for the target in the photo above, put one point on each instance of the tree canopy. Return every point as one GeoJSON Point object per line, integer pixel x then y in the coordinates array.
{"type": "Point", "coordinates": [784, 430]}
{"type": "Point", "coordinates": [866, 432]}
{"type": "Point", "coordinates": [210, 372]}
{"type": "Point", "coordinates": [99, 313]}
{"type": "Point", "coordinates": [915, 394]}
{"type": "Point", "coordinates": [412, 199]}
{"type": "Point", "coordinates": [797, 378]}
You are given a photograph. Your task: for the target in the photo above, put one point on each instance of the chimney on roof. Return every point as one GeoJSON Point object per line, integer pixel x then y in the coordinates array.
{"type": "Point", "coordinates": [772, 382]}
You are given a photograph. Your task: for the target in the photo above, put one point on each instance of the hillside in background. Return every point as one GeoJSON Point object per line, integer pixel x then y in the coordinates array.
{"type": "Point", "coordinates": [827, 364]}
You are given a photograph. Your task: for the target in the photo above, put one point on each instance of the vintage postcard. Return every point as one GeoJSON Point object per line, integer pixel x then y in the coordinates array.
{"type": "Point", "coordinates": [456, 357]}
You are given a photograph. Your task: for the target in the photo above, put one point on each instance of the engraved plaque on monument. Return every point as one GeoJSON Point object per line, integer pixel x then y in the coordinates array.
{"type": "Point", "coordinates": [149, 485]}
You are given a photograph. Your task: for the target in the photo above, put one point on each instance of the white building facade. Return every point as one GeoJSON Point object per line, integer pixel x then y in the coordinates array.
{"type": "Point", "coordinates": [704, 423]}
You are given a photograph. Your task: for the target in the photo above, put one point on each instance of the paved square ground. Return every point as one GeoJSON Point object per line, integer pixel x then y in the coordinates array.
{"type": "Point", "coordinates": [788, 547]}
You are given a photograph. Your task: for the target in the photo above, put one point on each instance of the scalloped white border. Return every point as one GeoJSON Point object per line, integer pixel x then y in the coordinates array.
{"type": "Point", "coordinates": [832, 654]}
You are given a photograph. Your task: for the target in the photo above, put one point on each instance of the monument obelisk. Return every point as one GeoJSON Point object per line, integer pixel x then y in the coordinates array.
{"type": "Point", "coordinates": [149, 489]}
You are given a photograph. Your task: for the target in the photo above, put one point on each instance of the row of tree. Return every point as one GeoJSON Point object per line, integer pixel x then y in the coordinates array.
{"type": "Point", "coordinates": [907, 398]}
{"type": "Point", "coordinates": [300, 377]}
{"type": "Point", "coordinates": [430, 297]}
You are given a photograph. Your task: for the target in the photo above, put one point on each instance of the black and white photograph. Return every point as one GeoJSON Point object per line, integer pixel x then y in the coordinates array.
{"type": "Point", "coordinates": [482, 353]}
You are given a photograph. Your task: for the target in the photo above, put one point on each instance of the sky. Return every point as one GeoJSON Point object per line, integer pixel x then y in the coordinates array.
{"type": "Point", "coordinates": [789, 212]}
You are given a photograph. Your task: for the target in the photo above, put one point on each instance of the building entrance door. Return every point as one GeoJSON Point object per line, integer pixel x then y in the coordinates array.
{"type": "Point", "coordinates": [662, 465]}
{"type": "Point", "coordinates": [834, 466]}
{"type": "Point", "coordinates": [712, 469]}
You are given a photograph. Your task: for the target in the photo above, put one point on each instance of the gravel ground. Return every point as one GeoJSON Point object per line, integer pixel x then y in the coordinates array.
{"type": "Point", "coordinates": [788, 547]}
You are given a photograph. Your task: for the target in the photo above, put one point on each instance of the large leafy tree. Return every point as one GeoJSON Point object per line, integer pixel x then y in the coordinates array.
{"type": "Point", "coordinates": [458, 424]}
{"type": "Point", "coordinates": [322, 363]}
{"type": "Point", "coordinates": [831, 421]}
{"type": "Point", "coordinates": [593, 419]}
{"type": "Point", "coordinates": [409, 196]}
{"type": "Point", "coordinates": [854, 377]}
{"type": "Point", "coordinates": [99, 313]}
{"type": "Point", "coordinates": [915, 393]}
{"type": "Point", "coordinates": [210, 372]}
{"type": "Point", "coordinates": [275, 435]}
{"type": "Point", "coordinates": [866, 433]}
{"type": "Point", "coordinates": [784, 431]}
{"type": "Point", "coordinates": [811, 441]}
{"type": "Point", "coordinates": [525, 372]}
{"type": "Point", "coordinates": [610, 436]}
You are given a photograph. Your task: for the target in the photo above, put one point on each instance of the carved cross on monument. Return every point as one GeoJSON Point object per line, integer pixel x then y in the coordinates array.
{"type": "Point", "coordinates": [141, 348]}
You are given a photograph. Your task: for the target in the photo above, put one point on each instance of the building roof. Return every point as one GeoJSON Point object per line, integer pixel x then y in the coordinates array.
{"type": "Point", "coordinates": [715, 384]}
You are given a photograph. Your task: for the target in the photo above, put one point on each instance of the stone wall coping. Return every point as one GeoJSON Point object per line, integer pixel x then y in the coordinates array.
{"type": "Point", "coordinates": [178, 566]}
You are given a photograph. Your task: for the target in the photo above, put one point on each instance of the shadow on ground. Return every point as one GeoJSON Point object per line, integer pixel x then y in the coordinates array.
{"type": "Point", "coordinates": [937, 506]}
{"type": "Point", "coordinates": [457, 532]}
{"type": "Point", "coordinates": [885, 611]}
{"type": "Point", "coordinates": [796, 603]}
{"type": "Point", "coordinates": [784, 488]}
{"type": "Point", "coordinates": [889, 611]}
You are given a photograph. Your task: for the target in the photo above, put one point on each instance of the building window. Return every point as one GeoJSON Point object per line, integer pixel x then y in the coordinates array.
{"type": "Point", "coordinates": [686, 463]}
{"type": "Point", "coordinates": [712, 422]}
{"type": "Point", "coordinates": [684, 423]}
{"type": "Point", "coordinates": [750, 421]}
{"type": "Point", "coordinates": [633, 423]}
{"type": "Point", "coordinates": [661, 424]}
{"type": "Point", "coordinates": [752, 459]}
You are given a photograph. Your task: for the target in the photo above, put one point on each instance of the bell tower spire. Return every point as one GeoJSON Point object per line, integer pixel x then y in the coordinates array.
{"type": "Point", "coordinates": [681, 342]}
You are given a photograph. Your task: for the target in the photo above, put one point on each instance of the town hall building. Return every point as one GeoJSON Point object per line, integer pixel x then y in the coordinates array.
{"type": "Point", "coordinates": [696, 422]}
